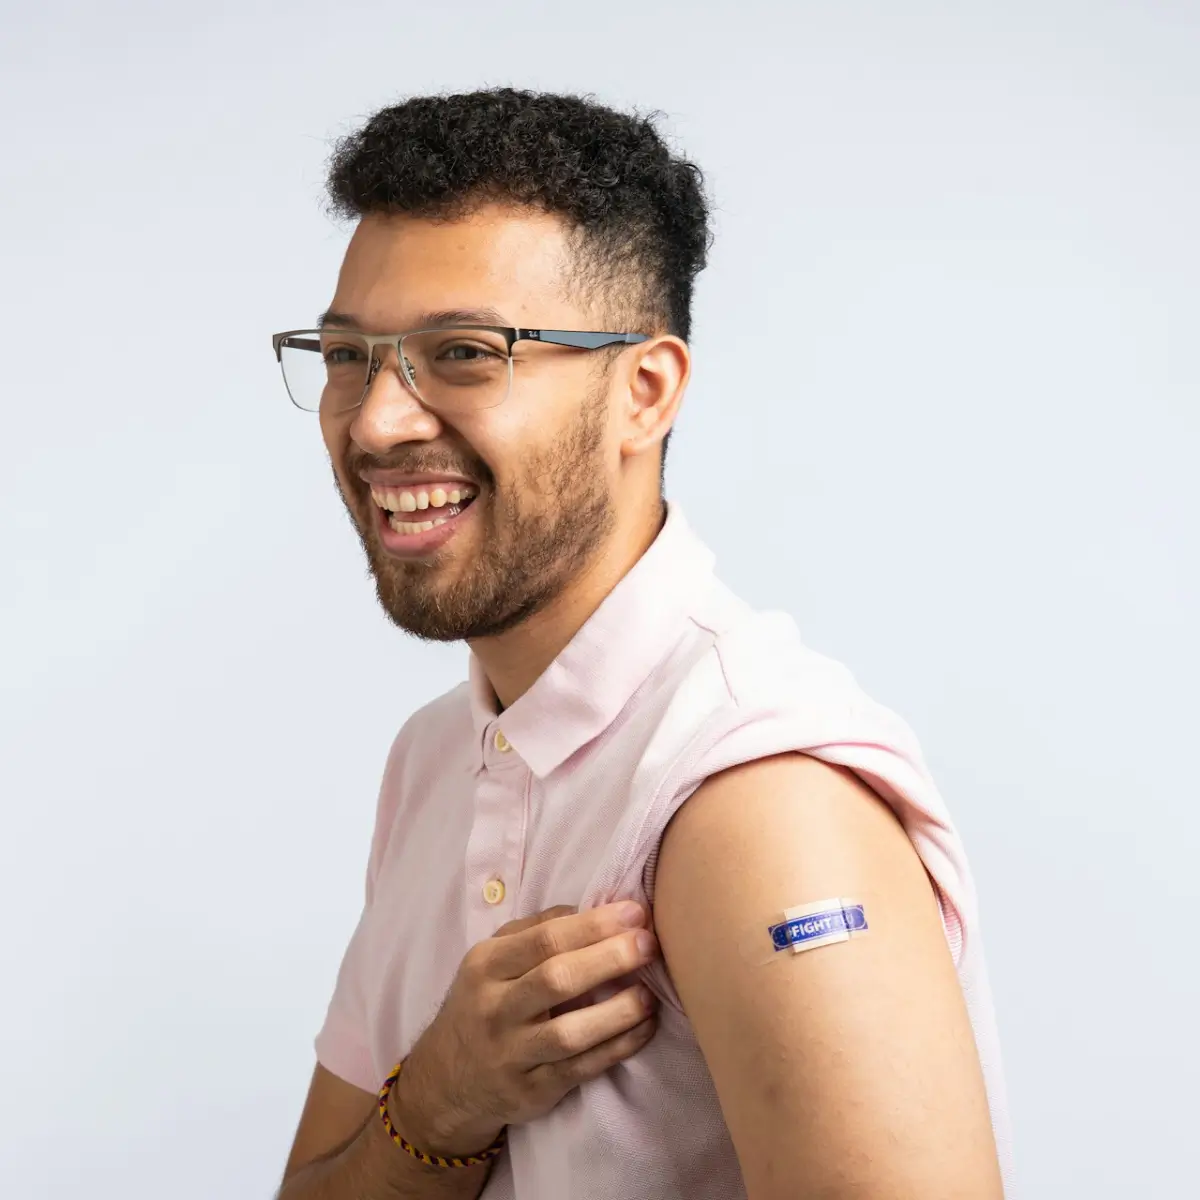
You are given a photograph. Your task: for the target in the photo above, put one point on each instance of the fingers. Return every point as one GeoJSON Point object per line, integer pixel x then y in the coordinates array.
{"type": "Point", "coordinates": [573, 973]}
{"type": "Point", "coordinates": [571, 1072]}
{"type": "Point", "coordinates": [576, 1032]}
{"type": "Point", "coordinates": [516, 953]}
{"type": "Point", "coordinates": [548, 914]}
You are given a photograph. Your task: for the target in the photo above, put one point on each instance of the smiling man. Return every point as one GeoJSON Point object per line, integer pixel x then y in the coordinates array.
{"type": "Point", "coordinates": [659, 904]}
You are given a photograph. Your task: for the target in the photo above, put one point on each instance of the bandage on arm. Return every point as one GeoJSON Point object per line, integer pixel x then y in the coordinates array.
{"type": "Point", "coordinates": [804, 927]}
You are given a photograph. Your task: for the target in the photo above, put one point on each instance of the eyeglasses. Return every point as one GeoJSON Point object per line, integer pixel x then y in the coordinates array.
{"type": "Point", "coordinates": [451, 369]}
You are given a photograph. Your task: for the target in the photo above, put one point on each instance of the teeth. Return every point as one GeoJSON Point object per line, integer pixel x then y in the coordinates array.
{"type": "Point", "coordinates": [415, 526]}
{"type": "Point", "coordinates": [406, 501]}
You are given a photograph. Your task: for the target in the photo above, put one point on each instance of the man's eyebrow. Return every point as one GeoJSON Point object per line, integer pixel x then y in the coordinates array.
{"type": "Point", "coordinates": [331, 316]}
{"type": "Point", "coordinates": [427, 320]}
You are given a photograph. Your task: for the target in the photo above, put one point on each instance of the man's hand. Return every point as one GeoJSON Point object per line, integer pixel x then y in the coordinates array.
{"type": "Point", "coordinates": [495, 1056]}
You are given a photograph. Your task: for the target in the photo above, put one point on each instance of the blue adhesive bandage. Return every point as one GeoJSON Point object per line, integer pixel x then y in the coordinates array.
{"type": "Point", "coordinates": [802, 932]}
{"type": "Point", "coordinates": [805, 927]}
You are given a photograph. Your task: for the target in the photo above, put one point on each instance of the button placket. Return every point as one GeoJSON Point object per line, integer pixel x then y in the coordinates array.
{"type": "Point", "coordinates": [491, 868]}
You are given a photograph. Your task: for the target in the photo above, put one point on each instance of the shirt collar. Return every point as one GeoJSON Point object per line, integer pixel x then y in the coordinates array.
{"type": "Point", "coordinates": [581, 692]}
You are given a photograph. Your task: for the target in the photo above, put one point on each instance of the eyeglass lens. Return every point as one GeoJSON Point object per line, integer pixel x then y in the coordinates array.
{"type": "Point", "coordinates": [450, 370]}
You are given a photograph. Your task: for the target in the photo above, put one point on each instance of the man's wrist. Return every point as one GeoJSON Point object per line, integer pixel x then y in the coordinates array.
{"type": "Point", "coordinates": [429, 1128]}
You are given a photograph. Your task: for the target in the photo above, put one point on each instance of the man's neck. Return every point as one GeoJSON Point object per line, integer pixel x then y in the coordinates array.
{"type": "Point", "coordinates": [515, 660]}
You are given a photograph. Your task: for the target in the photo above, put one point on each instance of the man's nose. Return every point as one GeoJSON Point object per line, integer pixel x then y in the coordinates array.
{"type": "Point", "coordinates": [390, 411]}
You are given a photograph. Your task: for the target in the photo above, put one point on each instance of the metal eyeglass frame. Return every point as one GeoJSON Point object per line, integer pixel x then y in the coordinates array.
{"type": "Point", "coordinates": [581, 339]}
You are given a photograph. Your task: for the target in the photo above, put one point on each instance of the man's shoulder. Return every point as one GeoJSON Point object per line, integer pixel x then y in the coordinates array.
{"type": "Point", "coordinates": [420, 754]}
{"type": "Point", "coordinates": [740, 682]}
{"type": "Point", "coordinates": [754, 686]}
{"type": "Point", "coordinates": [453, 706]}
{"type": "Point", "coordinates": [761, 656]}
{"type": "Point", "coordinates": [431, 733]}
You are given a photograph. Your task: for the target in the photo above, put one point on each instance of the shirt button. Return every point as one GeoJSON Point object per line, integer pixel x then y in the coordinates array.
{"type": "Point", "coordinates": [501, 742]}
{"type": "Point", "coordinates": [493, 891]}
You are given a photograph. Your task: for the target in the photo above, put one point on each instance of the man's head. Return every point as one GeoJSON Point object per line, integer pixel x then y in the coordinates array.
{"type": "Point", "coordinates": [511, 209]}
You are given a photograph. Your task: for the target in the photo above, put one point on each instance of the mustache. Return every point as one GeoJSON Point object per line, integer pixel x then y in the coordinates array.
{"type": "Point", "coordinates": [416, 462]}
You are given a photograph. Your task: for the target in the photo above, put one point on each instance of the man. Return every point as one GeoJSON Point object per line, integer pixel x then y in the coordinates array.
{"type": "Point", "coordinates": [658, 904]}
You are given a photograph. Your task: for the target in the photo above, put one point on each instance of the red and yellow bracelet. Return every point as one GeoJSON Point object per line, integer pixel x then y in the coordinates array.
{"type": "Point", "coordinates": [431, 1160]}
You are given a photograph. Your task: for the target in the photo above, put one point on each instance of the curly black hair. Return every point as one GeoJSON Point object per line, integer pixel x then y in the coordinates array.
{"type": "Point", "coordinates": [637, 213]}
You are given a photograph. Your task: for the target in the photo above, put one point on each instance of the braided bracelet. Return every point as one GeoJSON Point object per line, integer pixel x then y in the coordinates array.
{"type": "Point", "coordinates": [431, 1160]}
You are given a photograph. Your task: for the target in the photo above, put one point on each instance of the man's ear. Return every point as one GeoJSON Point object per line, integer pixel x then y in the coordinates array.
{"type": "Point", "coordinates": [657, 380]}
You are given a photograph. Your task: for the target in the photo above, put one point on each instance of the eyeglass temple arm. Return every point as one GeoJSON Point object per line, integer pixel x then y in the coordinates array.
{"type": "Point", "coordinates": [299, 343]}
{"type": "Point", "coordinates": [585, 341]}
{"type": "Point", "coordinates": [557, 337]}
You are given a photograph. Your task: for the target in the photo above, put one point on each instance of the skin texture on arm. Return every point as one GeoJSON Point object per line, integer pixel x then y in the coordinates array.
{"type": "Point", "coordinates": [334, 1113]}
{"type": "Point", "coordinates": [849, 1070]}
{"type": "Point", "coordinates": [342, 1152]}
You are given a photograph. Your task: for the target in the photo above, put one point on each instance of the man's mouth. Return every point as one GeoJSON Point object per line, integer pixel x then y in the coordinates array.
{"type": "Point", "coordinates": [435, 505]}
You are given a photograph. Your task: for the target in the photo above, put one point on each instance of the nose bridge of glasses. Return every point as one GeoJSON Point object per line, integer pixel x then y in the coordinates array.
{"type": "Point", "coordinates": [383, 353]}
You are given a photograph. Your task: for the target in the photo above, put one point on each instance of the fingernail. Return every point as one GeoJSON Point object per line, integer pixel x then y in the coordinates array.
{"type": "Point", "coordinates": [630, 914]}
{"type": "Point", "coordinates": [645, 943]}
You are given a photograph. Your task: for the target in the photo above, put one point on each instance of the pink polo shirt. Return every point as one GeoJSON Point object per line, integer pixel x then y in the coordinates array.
{"type": "Point", "coordinates": [563, 799]}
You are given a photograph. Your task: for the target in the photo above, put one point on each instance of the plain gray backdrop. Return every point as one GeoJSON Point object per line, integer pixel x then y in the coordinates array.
{"type": "Point", "coordinates": [943, 411]}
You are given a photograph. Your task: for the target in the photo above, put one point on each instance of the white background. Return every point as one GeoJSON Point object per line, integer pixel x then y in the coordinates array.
{"type": "Point", "coordinates": [944, 412]}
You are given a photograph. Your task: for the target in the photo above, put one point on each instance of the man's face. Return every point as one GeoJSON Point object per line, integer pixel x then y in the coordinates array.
{"type": "Point", "coordinates": [541, 466]}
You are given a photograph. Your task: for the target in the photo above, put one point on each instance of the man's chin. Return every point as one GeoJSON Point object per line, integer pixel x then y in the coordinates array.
{"type": "Point", "coordinates": [417, 603]}
{"type": "Point", "coordinates": [423, 630]}
{"type": "Point", "coordinates": [425, 621]}
{"type": "Point", "coordinates": [442, 616]}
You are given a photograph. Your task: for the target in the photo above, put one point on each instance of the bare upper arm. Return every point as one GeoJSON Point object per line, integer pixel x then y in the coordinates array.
{"type": "Point", "coordinates": [334, 1112]}
{"type": "Point", "coordinates": [848, 1070]}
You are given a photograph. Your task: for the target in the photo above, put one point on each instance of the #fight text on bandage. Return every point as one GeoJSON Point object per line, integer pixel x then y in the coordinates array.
{"type": "Point", "coordinates": [804, 927]}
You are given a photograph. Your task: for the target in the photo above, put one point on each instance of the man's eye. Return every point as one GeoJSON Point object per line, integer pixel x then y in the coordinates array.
{"type": "Point", "coordinates": [466, 352]}
{"type": "Point", "coordinates": [339, 356]}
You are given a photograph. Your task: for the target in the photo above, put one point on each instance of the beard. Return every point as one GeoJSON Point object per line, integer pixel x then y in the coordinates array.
{"type": "Point", "coordinates": [536, 536]}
